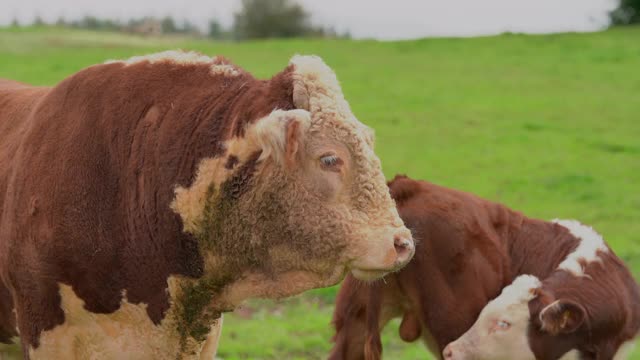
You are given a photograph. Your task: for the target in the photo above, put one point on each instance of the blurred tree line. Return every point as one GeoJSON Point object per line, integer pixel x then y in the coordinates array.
{"type": "Point", "coordinates": [628, 12]}
{"type": "Point", "coordinates": [256, 19]}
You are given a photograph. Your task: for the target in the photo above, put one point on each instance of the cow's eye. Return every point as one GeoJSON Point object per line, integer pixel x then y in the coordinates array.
{"type": "Point", "coordinates": [503, 325]}
{"type": "Point", "coordinates": [330, 162]}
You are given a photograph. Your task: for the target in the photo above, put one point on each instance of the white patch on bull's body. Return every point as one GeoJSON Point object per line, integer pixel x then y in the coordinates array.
{"type": "Point", "coordinates": [590, 243]}
{"type": "Point", "coordinates": [266, 135]}
{"type": "Point", "coordinates": [126, 333]}
{"type": "Point", "coordinates": [190, 202]}
{"type": "Point", "coordinates": [183, 58]}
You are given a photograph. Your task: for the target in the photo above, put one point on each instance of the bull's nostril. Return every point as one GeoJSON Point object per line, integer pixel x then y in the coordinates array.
{"type": "Point", "coordinates": [404, 247]}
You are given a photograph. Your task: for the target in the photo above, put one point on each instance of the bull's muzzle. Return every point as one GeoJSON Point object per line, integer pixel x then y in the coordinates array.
{"type": "Point", "coordinates": [405, 249]}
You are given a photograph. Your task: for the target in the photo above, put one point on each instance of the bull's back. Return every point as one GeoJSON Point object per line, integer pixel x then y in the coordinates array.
{"type": "Point", "coordinates": [17, 102]}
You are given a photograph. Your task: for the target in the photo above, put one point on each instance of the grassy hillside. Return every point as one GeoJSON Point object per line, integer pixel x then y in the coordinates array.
{"type": "Point", "coordinates": [549, 125]}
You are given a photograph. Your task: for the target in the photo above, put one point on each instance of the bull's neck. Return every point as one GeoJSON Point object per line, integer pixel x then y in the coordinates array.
{"type": "Point", "coordinates": [533, 246]}
{"type": "Point", "coordinates": [163, 150]}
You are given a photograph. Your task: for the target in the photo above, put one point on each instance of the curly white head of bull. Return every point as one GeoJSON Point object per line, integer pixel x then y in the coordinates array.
{"type": "Point", "coordinates": [296, 202]}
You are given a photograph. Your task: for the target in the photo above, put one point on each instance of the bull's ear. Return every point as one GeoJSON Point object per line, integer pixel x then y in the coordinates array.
{"type": "Point", "coordinates": [281, 134]}
{"type": "Point", "coordinates": [562, 317]}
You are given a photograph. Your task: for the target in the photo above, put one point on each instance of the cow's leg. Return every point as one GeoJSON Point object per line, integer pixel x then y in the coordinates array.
{"type": "Point", "coordinates": [386, 301]}
{"type": "Point", "coordinates": [373, 344]}
{"type": "Point", "coordinates": [349, 320]}
{"type": "Point", "coordinates": [7, 316]}
{"type": "Point", "coordinates": [210, 347]}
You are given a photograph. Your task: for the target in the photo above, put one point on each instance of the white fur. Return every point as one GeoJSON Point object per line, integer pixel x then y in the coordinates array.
{"type": "Point", "coordinates": [311, 70]}
{"type": "Point", "coordinates": [176, 56]}
{"type": "Point", "coordinates": [316, 88]}
{"type": "Point", "coordinates": [520, 291]}
{"type": "Point", "coordinates": [571, 355]}
{"type": "Point", "coordinates": [127, 333]}
{"type": "Point", "coordinates": [271, 131]}
{"type": "Point", "coordinates": [590, 243]}
{"type": "Point", "coordinates": [183, 58]}
{"type": "Point", "coordinates": [510, 306]}
{"type": "Point", "coordinates": [227, 70]}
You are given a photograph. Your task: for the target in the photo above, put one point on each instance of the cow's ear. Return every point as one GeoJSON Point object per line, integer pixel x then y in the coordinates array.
{"type": "Point", "coordinates": [562, 317]}
{"type": "Point", "coordinates": [281, 135]}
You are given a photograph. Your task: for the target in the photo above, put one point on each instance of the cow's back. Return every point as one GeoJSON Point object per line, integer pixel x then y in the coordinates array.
{"type": "Point", "coordinates": [460, 264]}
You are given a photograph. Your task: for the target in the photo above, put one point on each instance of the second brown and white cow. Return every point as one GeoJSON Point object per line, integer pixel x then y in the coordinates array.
{"type": "Point", "coordinates": [587, 308]}
{"type": "Point", "coordinates": [468, 250]}
{"type": "Point", "coordinates": [141, 199]}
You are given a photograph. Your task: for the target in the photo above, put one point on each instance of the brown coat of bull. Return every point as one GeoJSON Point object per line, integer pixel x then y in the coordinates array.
{"type": "Point", "coordinates": [140, 199]}
{"type": "Point", "coordinates": [468, 250]}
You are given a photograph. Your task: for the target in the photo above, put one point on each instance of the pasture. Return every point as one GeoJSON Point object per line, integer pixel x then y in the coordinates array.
{"type": "Point", "coordinates": [549, 125]}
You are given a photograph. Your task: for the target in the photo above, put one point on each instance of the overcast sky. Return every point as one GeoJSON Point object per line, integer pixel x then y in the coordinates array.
{"type": "Point", "coordinates": [381, 19]}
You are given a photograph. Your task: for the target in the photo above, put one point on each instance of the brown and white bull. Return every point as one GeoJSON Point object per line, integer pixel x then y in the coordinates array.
{"type": "Point", "coordinates": [141, 199]}
{"type": "Point", "coordinates": [468, 250]}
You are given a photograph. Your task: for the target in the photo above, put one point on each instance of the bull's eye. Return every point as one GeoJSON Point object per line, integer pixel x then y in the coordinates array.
{"type": "Point", "coordinates": [330, 162]}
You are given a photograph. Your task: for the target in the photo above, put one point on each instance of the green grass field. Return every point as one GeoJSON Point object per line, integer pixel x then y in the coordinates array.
{"type": "Point", "coordinates": [549, 125]}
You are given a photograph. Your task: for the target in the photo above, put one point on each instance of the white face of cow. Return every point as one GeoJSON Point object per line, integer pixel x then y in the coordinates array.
{"type": "Point", "coordinates": [500, 333]}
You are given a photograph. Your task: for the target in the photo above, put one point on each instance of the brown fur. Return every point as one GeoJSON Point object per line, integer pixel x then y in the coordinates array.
{"type": "Point", "coordinates": [468, 250]}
